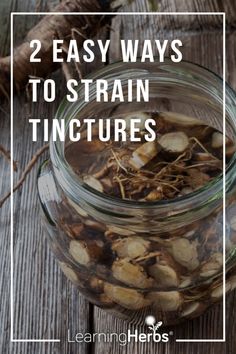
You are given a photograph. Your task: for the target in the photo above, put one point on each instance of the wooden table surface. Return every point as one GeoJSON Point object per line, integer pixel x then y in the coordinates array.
{"type": "Point", "coordinates": [46, 305]}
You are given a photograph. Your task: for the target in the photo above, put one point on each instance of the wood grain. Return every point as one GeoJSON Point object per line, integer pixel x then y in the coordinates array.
{"type": "Point", "coordinates": [46, 305]}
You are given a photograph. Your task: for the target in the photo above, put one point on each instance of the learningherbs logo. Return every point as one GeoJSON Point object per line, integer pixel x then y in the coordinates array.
{"type": "Point", "coordinates": [125, 337]}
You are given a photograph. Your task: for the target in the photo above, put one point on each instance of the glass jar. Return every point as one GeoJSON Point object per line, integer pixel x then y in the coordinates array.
{"type": "Point", "coordinates": [114, 249]}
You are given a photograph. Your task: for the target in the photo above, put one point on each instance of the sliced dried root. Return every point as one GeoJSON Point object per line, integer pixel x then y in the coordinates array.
{"type": "Point", "coordinates": [74, 230]}
{"type": "Point", "coordinates": [180, 119]}
{"type": "Point", "coordinates": [127, 298]}
{"type": "Point", "coordinates": [105, 301]}
{"type": "Point", "coordinates": [230, 150]}
{"type": "Point", "coordinates": [156, 194]}
{"type": "Point", "coordinates": [185, 282]}
{"type": "Point", "coordinates": [137, 115]}
{"type": "Point", "coordinates": [232, 282]}
{"type": "Point", "coordinates": [112, 229]}
{"type": "Point", "coordinates": [131, 274]}
{"type": "Point", "coordinates": [185, 191]}
{"type": "Point", "coordinates": [175, 142]}
{"type": "Point", "coordinates": [202, 156]}
{"type": "Point", "coordinates": [95, 225]}
{"type": "Point", "coordinates": [143, 154]}
{"type": "Point", "coordinates": [217, 292]}
{"type": "Point", "coordinates": [213, 266]}
{"type": "Point", "coordinates": [69, 272]}
{"type": "Point", "coordinates": [196, 178]}
{"type": "Point", "coordinates": [131, 247]}
{"type": "Point", "coordinates": [84, 253]}
{"type": "Point", "coordinates": [166, 300]}
{"type": "Point", "coordinates": [93, 183]}
{"type": "Point", "coordinates": [79, 210]}
{"type": "Point", "coordinates": [192, 309]}
{"type": "Point", "coordinates": [96, 284]}
{"type": "Point", "coordinates": [185, 253]}
{"type": "Point", "coordinates": [233, 223]}
{"type": "Point", "coordinates": [217, 140]}
{"type": "Point", "coordinates": [164, 275]}
{"type": "Point", "coordinates": [89, 147]}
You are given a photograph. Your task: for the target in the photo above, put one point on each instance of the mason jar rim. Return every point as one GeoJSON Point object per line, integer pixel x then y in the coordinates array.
{"type": "Point", "coordinates": [77, 189]}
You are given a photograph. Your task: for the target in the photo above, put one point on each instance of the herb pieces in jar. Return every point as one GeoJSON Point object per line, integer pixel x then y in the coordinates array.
{"type": "Point", "coordinates": [186, 155]}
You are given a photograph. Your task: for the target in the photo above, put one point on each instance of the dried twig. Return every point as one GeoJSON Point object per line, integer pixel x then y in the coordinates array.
{"type": "Point", "coordinates": [27, 170]}
{"type": "Point", "coordinates": [7, 155]}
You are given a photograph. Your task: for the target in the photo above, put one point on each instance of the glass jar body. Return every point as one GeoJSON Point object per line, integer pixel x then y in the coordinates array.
{"type": "Point", "coordinates": [138, 259]}
{"type": "Point", "coordinates": [139, 266]}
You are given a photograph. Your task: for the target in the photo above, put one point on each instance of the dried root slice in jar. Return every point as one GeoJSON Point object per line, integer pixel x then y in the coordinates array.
{"type": "Point", "coordinates": [131, 274]}
{"type": "Point", "coordinates": [186, 190]}
{"type": "Point", "coordinates": [233, 223]}
{"type": "Point", "coordinates": [143, 154]}
{"type": "Point", "coordinates": [128, 298]}
{"type": "Point", "coordinates": [89, 147]}
{"type": "Point", "coordinates": [180, 119]}
{"type": "Point", "coordinates": [96, 284]}
{"type": "Point", "coordinates": [218, 291]}
{"type": "Point", "coordinates": [166, 300]}
{"type": "Point", "coordinates": [232, 282]}
{"type": "Point", "coordinates": [137, 115]}
{"type": "Point", "coordinates": [131, 247]}
{"type": "Point", "coordinates": [185, 282]}
{"type": "Point", "coordinates": [217, 140]}
{"type": "Point", "coordinates": [112, 229]}
{"type": "Point", "coordinates": [192, 309]}
{"type": "Point", "coordinates": [213, 266]}
{"type": "Point", "coordinates": [197, 178]}
{"type": "Point", "coordinates": [73, 230]}
{"type": "Point", "coordinates": [84, 253]}
{"type": "Point", "coordinates": [164, 275]}
{"type": "Point", "coordinates": [230, 150]}
{"type": "Point", "coordinates": [79, 210]}
{"type": "Point", "coordinates": [155, 194]}
{"type": "Point", "coordinates": [185, 253]}
{"type": "Point", "coordinates": [175, 142]}
{"type": "Point", "coordinates": [93, 183]}
{"type": "Point", "coordinates": [203, 156]}
{"type": "Point", "coordinates": [105, 301]}
{"type": "Point", "coordinates": [94, 224]}
{"type": "Point", "coordinates": [69, 272]}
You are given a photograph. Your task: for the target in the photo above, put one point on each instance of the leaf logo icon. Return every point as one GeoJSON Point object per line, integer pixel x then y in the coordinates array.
{"type": "Point", "coordinates": [150, 321]}
{"type": "Point", "coordinates": [158, 325]}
